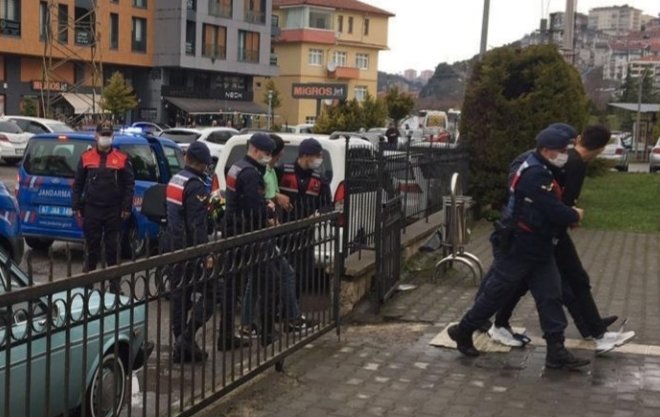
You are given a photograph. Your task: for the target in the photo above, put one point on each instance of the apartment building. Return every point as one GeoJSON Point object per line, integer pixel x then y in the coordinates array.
{"type": "Point", "coordinates": [206, 56]}
{"type": "Point", "coordinates": [615, 20]}
{"type": "Point", "coordinates": [186, 59]}
{"type": "Point", "coordinates": [327, 50]}
{"type": "Point", "coordinates": [74, 28]}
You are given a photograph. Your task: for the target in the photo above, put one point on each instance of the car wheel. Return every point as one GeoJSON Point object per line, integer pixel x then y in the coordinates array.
{"type": "Point", "coordinates": [39, 244]}
{"type": "Point", "coordinates": [132, 243]}
{"type": "Point", "coordinates": [107, 390]}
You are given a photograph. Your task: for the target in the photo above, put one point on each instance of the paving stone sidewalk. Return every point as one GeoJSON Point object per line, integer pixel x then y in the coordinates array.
{"type": "Point", "coordinates": [384, 366]}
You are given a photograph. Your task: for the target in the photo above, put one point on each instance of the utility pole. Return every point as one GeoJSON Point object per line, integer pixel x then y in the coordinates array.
{"type": "Point", "coordinates": [484, 29]}
{"type": "Point", "coordinates": [270, 108]}
{"type": "Point", "coordinates": [569, 31]}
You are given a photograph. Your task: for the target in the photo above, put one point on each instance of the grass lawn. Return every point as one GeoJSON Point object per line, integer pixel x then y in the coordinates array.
{"type": "Point", "coordinates": [622, 201]}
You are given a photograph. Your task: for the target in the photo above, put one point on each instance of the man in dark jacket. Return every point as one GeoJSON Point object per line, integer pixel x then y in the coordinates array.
{"type": "Point", "coordinates": [103, 196]}
{"type": "Point", "coordinates": [537, 216]}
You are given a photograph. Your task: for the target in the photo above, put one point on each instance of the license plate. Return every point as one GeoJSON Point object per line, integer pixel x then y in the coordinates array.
{"type": "Point", "coordinates": [55, 211]}
{"type": "Point", "coordinates": [20, 151]}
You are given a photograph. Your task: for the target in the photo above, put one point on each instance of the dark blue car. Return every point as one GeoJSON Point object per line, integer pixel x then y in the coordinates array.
{"type": "Point", "coordinates": [11, 241]}
{"type": "Point", "coordinates": [46, 175]}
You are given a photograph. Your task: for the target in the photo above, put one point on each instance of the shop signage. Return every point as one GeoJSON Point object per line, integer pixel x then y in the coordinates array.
{"type": "Point", "coordinates": [38, 85]}
{"type": "Point", "coordinates": [319, 91]}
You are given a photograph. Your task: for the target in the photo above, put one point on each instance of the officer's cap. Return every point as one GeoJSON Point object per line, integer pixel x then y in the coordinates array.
{"type": "Point", "coordinates": [566, 128]}
{"type": "Point", "coordinates": [552, 138]}
{"type": "Point", "coordinates": [310, 146]}
{"type": "Point", "coordinates": [263, 142]}
{"type": "Point", "coordinates": [199, 152]}
{"type": "Point", "coordinates": [104, 128]}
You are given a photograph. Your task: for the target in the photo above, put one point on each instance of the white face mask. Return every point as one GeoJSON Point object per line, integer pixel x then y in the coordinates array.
{"type": "Point", "coordinates": [105, 141]}
{"type": "Point", "coordinates": [264, 160]}
{"type": "Point", "coordinates": [316, 163]}
{"type": "Point", "coordinates": [560, 160]}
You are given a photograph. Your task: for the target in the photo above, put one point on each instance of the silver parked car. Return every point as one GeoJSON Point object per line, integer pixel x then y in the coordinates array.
{"type": "Point", "coordinates": [654, 158]}
{"type": "Point", "coordinates": [616, 151]}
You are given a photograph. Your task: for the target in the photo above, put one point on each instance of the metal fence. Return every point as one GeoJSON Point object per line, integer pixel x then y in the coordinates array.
{"type": "Point", "coordinates": [420, 174]}
{"type": "Point", "coordinates": [73, 346]}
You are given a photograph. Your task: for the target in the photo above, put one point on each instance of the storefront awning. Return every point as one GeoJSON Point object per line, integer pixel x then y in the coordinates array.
{"type": "Point", "coordinates": [209, 106]}
{"type": "Point", "coordinates": [84, 103]}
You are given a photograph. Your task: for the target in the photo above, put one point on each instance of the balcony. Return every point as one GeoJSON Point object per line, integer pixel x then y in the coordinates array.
{"type": "Point", "coordinates": [84, 36]}
{"type": "Point", "coordinates": [275, 30]}
{"type": "Point", "coordinates": [255, 16]}
{"type": "Point", "coordinates": [190, 48]}
{"type": "Point", "coordinates": [321, 36]}
{"type": "Point", "coordinates": [214, 51]}
{"type": "Point", "coordinates": [219, 10]}
{"type": "Point", "coordinates": [10, 27]}
{"type": "Point", "coordinates": [273, 59]}
{"type": "Point", "coordinates": [344, 73]}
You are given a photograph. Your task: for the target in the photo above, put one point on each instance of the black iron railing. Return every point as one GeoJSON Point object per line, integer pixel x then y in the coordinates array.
{"type": "Point", "coordinates": [122, 340]}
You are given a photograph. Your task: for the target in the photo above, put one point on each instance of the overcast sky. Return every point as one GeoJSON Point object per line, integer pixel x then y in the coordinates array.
{"type": "Point", "coordinates": [426, 32]}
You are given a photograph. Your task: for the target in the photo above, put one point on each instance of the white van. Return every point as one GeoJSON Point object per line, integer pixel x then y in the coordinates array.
{"type": "Point", "coordinates": [37, 125]}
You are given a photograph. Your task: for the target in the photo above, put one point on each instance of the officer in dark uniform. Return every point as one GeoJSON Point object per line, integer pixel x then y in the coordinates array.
{"type": "Point", "coordinates": [247, 210]}
{"type": "Point", "coordinates": [303, 184]}
{"type": "Point", "coordinates": [536, 215]}
{"type": "Point", "coordinates": [187, 214]}
{"type": "Point", "coordinates": [103, 196]}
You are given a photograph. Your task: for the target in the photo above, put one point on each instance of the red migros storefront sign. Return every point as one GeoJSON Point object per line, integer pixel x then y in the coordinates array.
{"type": "Point", "coordinates": [319, 91]}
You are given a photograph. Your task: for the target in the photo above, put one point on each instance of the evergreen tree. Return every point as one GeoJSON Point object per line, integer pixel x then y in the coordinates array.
{"type": "Point", "coordinates": [374, 112]}
{"type": "Point", "coordinates": [275, 99]}
{"type": "Point", "coordinates": [118, 96]}
{"type": "Point", "coordinates": [29, 107]}
{"type": "Point", "coordinates": [399, 105]}
{"type": "Point", "coordinates": [511, 96]}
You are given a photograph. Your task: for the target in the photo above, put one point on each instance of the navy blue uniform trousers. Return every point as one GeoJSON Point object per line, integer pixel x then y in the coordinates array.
{"type": "Point", "coordinates": [507, 274]}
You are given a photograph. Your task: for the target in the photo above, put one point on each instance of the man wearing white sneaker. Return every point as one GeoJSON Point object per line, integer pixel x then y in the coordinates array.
{"type": "Point", "coordinates": [576, 287]}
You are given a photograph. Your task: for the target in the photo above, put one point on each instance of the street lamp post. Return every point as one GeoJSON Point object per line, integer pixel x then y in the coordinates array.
{"type": "Point", "coordinates": [484, 29]}
{"type": "Point", "coordinates": [638, 130]}
{"type": "Point", "coordinates": [270, 108]}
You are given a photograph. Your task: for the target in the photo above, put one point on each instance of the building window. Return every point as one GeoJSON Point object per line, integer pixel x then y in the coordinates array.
{"type": "Point", "coordinates": [255, 11]}
{"type": "Point", "coordinates": [310, 120]}
{"type": "Point", "coordinates": [191, 4]}
{"type": "Point", "coordinates": [320, 19]}
{"type": "Point", "coordinates": [361, 93]}
{"type": "Point", "coordinates": [340, 23]}
{"type": "Point", "coordinates": [44, 20]}
{"type": "Point", "coordinates": [248, 46]}
{"type": "Point", "coordinates": [10, 13]}
{"type": "Point", "coordinates": [350, 24]}
{"type": "Point", "coordinates": [114, 1]}
{"type": "Point", "coordinates": [315, 57]}
{"type": "Point", "coordinates": [220, 8]}
{"type": "Point", "coordinates": [114, 31]}
{"type": "Point", "coordinates": [63, 23]}
{"type": "Point", "coordinates": [83, 27]}
{"type": "Point", "coordinates": [214, 41]}
{"type": "Point", "coordinates": [139, 35]}
{"type": "Point", "coordinates": [362, 61]}
{"type": "Point", "coordinates": [140, 3]}
{"type": "Point", "coordinates": [366, 27]}
{"type": "Point", "coordinates": [191, 34]}
{"type": "Point", "coordinates": [339, 58]}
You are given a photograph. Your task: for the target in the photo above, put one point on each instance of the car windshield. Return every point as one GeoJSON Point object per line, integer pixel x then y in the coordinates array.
{"type": "Point", "coordinates": [220, 137]}
{"type": "Point", "coordinates": [181, 136]}
{"type": "Point", "coordinates": [56, 158]}
{"type": "Point", "coordinates": [174, 159]}
{"type": "Point", "coordinates": [57, 127]}
{"type": "Point", "coordinates": [143, 161]}
{"type": "Point", "coordinates": [10, 127]}
{"type": "Point", "coordinates": [289, 155]}
{"type": "Point", "coordinates": [614, 140]}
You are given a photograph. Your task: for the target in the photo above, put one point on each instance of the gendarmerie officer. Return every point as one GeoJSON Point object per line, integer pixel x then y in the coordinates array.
{"type": "Point", "coordinates": [247, 210]}
{"type": "Point", "coordinates": [103, 196]}
{"type": "Point", "coordinates": [187, 214]}
{"type": "Point", "coordinates": [536, 216]}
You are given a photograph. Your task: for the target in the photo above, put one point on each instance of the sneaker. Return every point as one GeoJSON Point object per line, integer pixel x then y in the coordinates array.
{"type": "Point", "coordinates": [302, 323]}
{"type": "Point", "coordinates": [625, 337]}
{"type": "Point", "coordinates": [248, 331]}
{"type": "Point", "coordinates": [463, 340]}
{"type": "Point", "coordinates": [558, 357]}
{"type": "Point", "coordinates": [504, 336]}
{"type": "Point", "coordinates": [606, 342]}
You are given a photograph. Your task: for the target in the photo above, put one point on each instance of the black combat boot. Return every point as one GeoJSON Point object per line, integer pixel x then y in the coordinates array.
{"type": "Point", "coordinates": [187, 350]}
{"type": "Point", "coordinates": [559, 357]}
{"type": "Point", "coordinates": [463, 340]}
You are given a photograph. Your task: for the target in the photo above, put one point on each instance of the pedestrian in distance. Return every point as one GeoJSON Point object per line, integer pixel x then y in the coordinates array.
{"type": "Point", "coordinates": [392, 134]}
{"type": "Point", "coordinates": [576, 287]}
{"type": "Point", "coordinates": [534, 218]}
{"type": "Point", "coordinates": [102, 197]}
{"type": "Point", "coordinates": [187, 215]}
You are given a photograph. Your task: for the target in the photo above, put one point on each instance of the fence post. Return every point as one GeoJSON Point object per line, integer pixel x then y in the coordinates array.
{"type": "Point", "coordinates": [347, 204]}
{"type": "Point", "coordinates": [409, 166]}
{"type": "Point", "coordinates": [378, 230]}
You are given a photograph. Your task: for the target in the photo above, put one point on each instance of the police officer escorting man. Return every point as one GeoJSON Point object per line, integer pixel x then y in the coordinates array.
{"type": "Point", "coordinates": [187, 217]}
{"type": "Point", "coordinates": [536, 216]}
{"type": "Point", "coordinates": [103, 197]}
